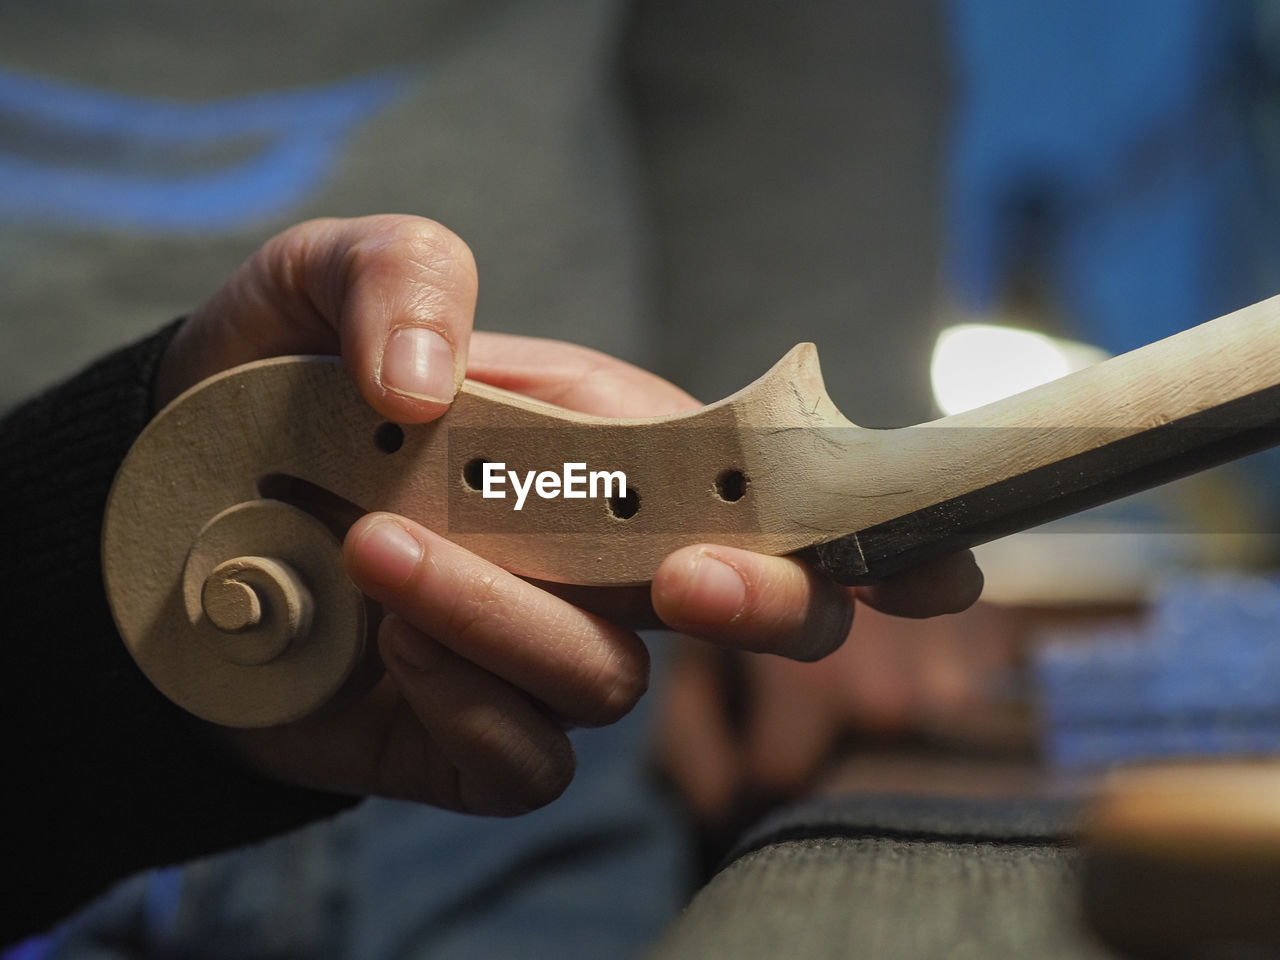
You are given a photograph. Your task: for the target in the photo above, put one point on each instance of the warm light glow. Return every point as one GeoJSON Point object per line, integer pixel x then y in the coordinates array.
{"type": "Point", "coordinates": [977, 363]}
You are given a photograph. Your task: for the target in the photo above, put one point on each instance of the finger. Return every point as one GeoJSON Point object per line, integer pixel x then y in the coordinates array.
{"type": "Point", "coordinates": [574, 377]}
{"type": "Point", "coordinates": [752, 602]}
{"type": "Point", "coordinates": [582, 667]}
{"type": "Point", "coordinates": [696, 746]}
{"type": "Point", "coordinates": [947, 585]}
{"type": "Point", "coordinates": [876, 674]}
{"type": "Point", "coordinates": [394, 294]}
{"type": "Point", "coordinates": [792, 725]}
{"type": "Point", "coordinates": [502, 754]}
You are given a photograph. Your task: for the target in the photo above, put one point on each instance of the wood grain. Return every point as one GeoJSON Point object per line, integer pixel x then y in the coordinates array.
{"type": "Point", "coordinates": [774, 468]}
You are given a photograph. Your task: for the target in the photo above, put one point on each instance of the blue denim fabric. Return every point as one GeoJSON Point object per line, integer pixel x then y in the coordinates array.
{"type": "Point", "coordinates": [598, 873]}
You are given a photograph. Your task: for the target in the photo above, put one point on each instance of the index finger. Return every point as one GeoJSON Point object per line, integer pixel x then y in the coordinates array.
{"type": "Point", "coordinates": [574, 377]}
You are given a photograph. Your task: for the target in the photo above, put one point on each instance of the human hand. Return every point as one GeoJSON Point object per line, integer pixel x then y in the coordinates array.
{"type": "Point", "coordinates": [472, 716]}
{"type": "Point", "coordinates": [484, 669]}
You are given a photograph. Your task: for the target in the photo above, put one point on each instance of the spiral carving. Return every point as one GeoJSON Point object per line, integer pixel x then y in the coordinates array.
{"type": "Point", "coordinates": [253, 609]}
{"type": "Point", "coordinates": [268, 628]}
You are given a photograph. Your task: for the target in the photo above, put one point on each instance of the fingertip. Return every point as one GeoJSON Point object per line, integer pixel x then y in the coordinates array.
{"type": "Point", "coordinates": [976, 583]}
{"type": "Point", "coordinates": [947, 585]}
{"type": "Point", "coordinates": [419, 373]}
{"type": "Point", "coordinates": [410, 379]}
{"type": "Point", "coordinates": [752, 602]}
{"type": "Point", "coordinates": [409, 300]}
{"type": "Point", "coordinates": [694, 589]}
{"type": "Point", "coordinates": [547, 781]}
{"type": "Point", "coordinates": [381, 551]}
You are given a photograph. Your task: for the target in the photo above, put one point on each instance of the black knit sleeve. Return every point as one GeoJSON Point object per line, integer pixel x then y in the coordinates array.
{"type": "Point", "coordinates": [107, 775]}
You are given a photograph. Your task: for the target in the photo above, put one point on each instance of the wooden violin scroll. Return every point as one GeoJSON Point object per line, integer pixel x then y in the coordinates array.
{"type": "Point", "coordinates": [222, 533]}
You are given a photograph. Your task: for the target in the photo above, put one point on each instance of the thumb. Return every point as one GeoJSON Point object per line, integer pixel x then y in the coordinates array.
{"type": "Point", "coordinates": [395, 295]}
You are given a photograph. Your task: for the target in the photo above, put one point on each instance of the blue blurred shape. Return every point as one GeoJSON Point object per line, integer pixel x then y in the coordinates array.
{"type": "Point", "coordinates": [1200, 678]}
{"type": "Point", "coordinates": [84, 157]}
{"type": "Point", "coordinates": [1110, 150]}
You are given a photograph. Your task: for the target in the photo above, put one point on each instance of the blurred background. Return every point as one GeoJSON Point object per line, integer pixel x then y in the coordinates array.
{"type": "Point", "coordinates": [954, 199]}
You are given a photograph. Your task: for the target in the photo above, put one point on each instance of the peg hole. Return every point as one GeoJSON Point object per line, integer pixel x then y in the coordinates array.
{"type": "Point", "coordinates": [389, 437]}
{"type": "Point", "coordinates": [473, 473]}
{"type": "Point", "coordinates": [731, 486]}
{"type": "Point", "coordinates": [626, 506]}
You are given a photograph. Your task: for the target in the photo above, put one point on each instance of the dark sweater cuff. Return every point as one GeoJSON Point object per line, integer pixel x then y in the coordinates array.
{"type": "Point", "coordinates": [110, 776]}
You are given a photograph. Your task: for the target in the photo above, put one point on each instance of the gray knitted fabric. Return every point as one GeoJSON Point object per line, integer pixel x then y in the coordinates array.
{"type": "Point", "coordinates": [886, 878]}
{"type": "Point", "coordinates": [501, 121]}
{"type": "Point", "coordinates": [693, 187]}
{"type": "Point", "coordinates": [884, 900]}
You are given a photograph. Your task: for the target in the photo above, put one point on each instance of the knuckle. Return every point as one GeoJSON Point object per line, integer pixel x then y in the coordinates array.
{"type": "Point", "coordinates": [294, 261]}
{"type": "Point", "coordinates": [594, 385]}
{"type": "Point", "coordinates": [815, 650]}
{"type": "Point", "coordinates": [435, 254]}
{"type": "Point", "coordinates": [825, 627]}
